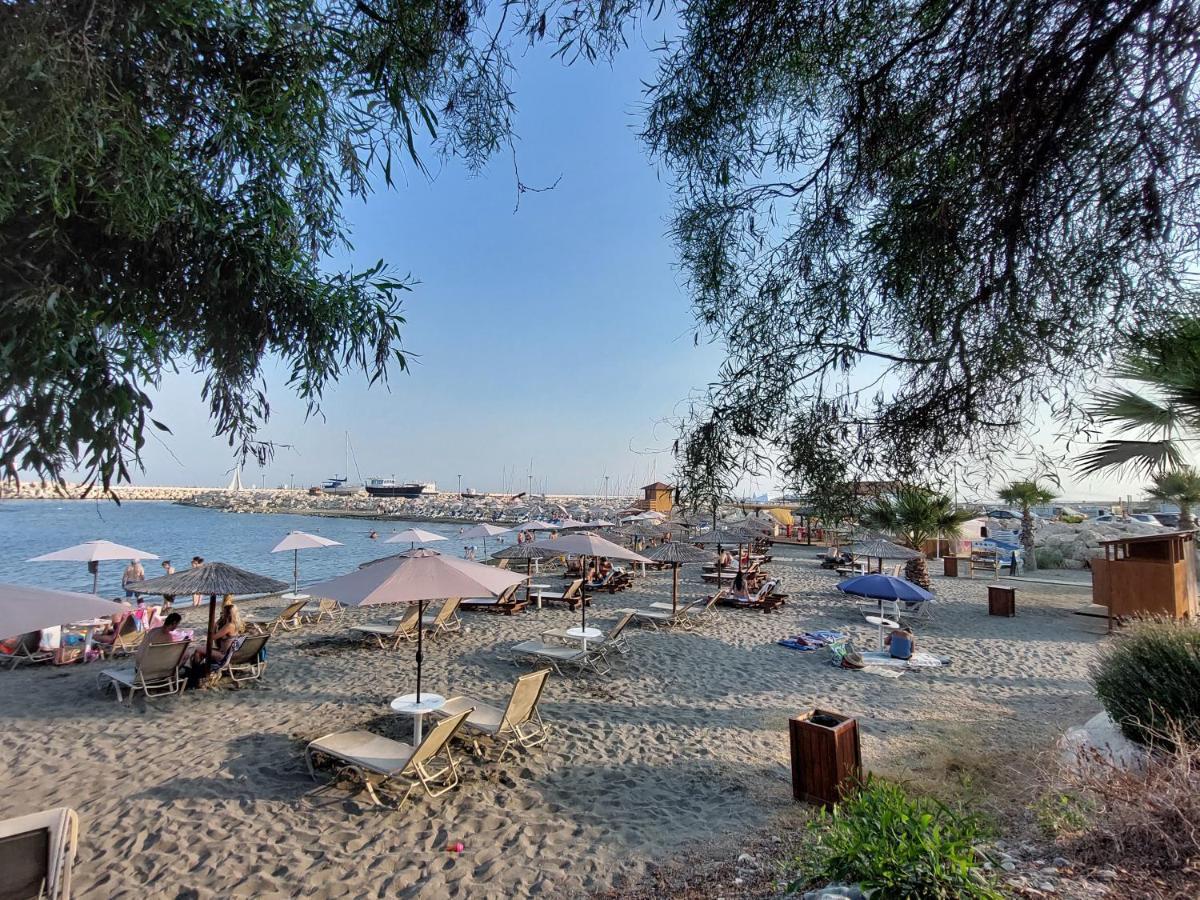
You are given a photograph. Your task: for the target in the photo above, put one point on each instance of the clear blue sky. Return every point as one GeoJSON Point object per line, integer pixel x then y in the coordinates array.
{"type": "Point", "coordinates": [558, 334]}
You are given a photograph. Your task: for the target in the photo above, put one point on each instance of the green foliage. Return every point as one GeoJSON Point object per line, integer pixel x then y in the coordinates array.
{"type": "Point", "coordinates": [1049, 557]}
{"type": "Point", "coordinates": [1026, 494]}
{"type": "Point", "coordinates": [171, 183]}
{"type": "Point", "coordinates": [1149, 682]}
{"type": "Point", "coordinates": [1072, 520]}
{"type": "Point", "coordinates": [916, 515]}
{"type": "Point", "coordinates": [1181, 487]}
{"type": "Point", "coordinates": [1059, 814]}
{"type": "Point", "coordinates": [898, 846]}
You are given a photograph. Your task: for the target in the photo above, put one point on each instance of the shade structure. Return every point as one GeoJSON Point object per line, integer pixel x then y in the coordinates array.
{"type": "Point", "coordinates": [568, 524]}
{"type": "Point", "coordinates": [650, 515]}
{"type": "Point", "coordinates": [528, 552]}
{"type": "Point", "coordinates": [534, 525]}
{"type": "Point", "coordinates": [884, 587]}
{"type": "Point", "coordinates": [415, 577]}
{"type": "Point", "coordinates": [587, 544]}
{"type": "Point", "coordinates": [24, 609]}
{"type": "Point", "coordinates": [485, 530]}
{"type": "Point", "coordinates": [94, 552]}
{"type": "Point", "coordinates": [301, 540]}
{"type": "Point", "coordinates": [211, 578]}
{"type": "Point", "coordinates": [677, 553]}
{"type": "Point", "coordinates": [882, 549]}
{"type": "Point", "coordinates": [414, 536]}
{"type": "Point", "coordinates": [727, 535]}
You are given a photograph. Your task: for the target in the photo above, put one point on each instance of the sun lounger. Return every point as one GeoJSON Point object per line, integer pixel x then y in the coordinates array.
{"type": "Point", "coordinates": [320, 610]}
{"type": "Point", "coordinates": [517, 724]}
{"type": "Point", "coordinates": [372, 758]}
{"type": "Point", "coordinates": [570, 596]}
{"type": "Point", "coordinates": [28, 650]}
{"type": "Point", "coordinates": [507, 603]}
{"type": "Point", "coordinates": [613, 639]}
{"type": "Point", "coordinates": [445, 620]}
{"type": "Point", "coordinates": [695, 611]}
{"type": "Point", "coordinates": [125, 641]}
{"type": "Point", "coordinates": [665, 618]}
{"type": "Point", "coordinates": [557, 656]}
{"type": "Point", "coordinates": [245, 662]}
{"type": "Point", "coordinates": [37, 853]}
{"type": "Point", "coordinates": [390, 635]}
{"type": "Point", "coordinates": [764, 598]}
{"type": "Point", "coordinates": [155, 674]}
{"type": "Point", "coordinates": [287, 618]}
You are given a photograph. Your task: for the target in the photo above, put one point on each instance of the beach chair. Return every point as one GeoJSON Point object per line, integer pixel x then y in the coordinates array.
{"type": "Point", "coordinates": [570, 596]}
{"type": "Point", "coordinates": [244, 662]}
{"type": "Point", "coordinates": [155, 674]}
{"type": "Point", "coordinates": [376, 761]}
{"type": "Point", "coordinates": [319, 610]}
{"type": "Point", "coordinates": [916, 610]}
{"type": "Point", "coordinates": [557, 656]}
{"type": "Point", "coordinates": [391, 635]}
{"type": "Point", "coordinates": [696, 611]}
{"type": "Point", "coordinates": [613, 639]}
{"type": "Point", "coordinates": [518, 724]}
{"type": "Point", "coordinates": [287, 618]}
{"type": "Point", "coordinates": [126, 640]}
{"type": "Point", "coordinates": [37, 854]}
{"type": "Point", "coordinates": [764, 598]}
{"type": "Point", "coordinates": [28, 650]}
{"type": "Point", "coordinates": [665, 618]}
{"type": "Point", "coordinates": [446, 619]}
{"type": "Point", "coordinates": [507, 603]}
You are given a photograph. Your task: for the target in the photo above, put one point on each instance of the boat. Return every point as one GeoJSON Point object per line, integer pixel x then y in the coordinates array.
{"type": "Point", "coordinates": [340, 484]}
{"type": "Point", "coordinates": [389, 487]}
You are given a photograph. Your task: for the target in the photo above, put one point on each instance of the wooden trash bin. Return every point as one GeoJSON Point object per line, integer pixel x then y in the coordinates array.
{"type": "Point", "coordinates": [1002, 601]}
{"type": "Point", "coordinates": [950, 566]}
{"type": "Point", "coordinates": [826, 756]}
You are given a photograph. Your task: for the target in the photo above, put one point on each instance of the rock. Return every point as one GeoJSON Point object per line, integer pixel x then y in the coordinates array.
{"type": "Point", "coordinates": [739, 881]}
{"type": "Point", "coordinates": [1050, 872]}
{"type": "Point", "coordinates": [746, 858]}
{"type": "Point", "coordinates": [1106, 874]}
{"type": "Point", "coordinates": [1008, 865]}
{"type": "Point", "coordinates": [1061, 862]}
{"type": "Point", "coordinates": [1047, 886]}
{"type": "Point", "coordinates": [776, 839]}
{"type": "Point", "coordinates": [836, 891]}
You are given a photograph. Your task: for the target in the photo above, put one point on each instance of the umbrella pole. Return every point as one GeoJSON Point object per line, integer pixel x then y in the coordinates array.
{"type": "Point", "coordinates": [583, 596]}
{"type": "Point", "coordinates": [296, 570]}
{"type": "Point", "coordinates": [675, 589]}
{"type": "Point", "coordinates": [420, 643]}
{"type": "Point", "coordinates": [96, 580]}
{"type": "Point", "coordinates": [212, 627]}
{"type": "Point", "coordinates": [528, 578]}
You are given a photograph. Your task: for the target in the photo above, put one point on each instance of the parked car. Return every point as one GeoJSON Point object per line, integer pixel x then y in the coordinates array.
{"type": "Point", "coordinates": [1168, 520]}
{"type": "Point", "coordinates": [1146, 519]}
{"type": "Point", "coordinates": [1003, 514]}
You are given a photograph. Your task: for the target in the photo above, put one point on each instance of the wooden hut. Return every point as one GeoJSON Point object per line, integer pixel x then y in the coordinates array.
{"type": "Point", "coordinates": [658, 497]}
{"type": "Point", "coordinates": [1151, 575]}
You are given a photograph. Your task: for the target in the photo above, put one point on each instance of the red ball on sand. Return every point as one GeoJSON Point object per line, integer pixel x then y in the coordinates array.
{"type": "Point", "coordinates": [456, 847]}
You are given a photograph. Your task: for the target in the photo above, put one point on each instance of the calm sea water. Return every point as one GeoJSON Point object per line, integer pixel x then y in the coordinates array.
{"type": "Point", "coordinates": [32, 527]}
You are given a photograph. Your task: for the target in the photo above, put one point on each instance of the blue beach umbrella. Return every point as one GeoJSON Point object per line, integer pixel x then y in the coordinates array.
{"type": "Point", "coordinates": [884, 587]}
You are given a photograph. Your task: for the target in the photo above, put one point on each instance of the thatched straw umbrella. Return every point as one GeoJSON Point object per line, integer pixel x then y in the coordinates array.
{"type": "Point", "coordinates": [211, 578]}
{"type": "Point", "coordinates": [882, 549]}
{"type": "Point", "coordinates": [529, 553]}
{"type": "Point", "coordinates": [676, 553]}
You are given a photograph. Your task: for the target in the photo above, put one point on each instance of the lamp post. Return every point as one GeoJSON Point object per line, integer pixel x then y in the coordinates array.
{"type": "Point", "coordinates": [460, 485]}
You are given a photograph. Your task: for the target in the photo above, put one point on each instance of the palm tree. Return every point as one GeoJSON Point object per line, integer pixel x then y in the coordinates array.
{"type": "Point", "coordinates": [915, 516]}
{"type": "Point", "coordinates": [1027, 494]}
{"type": "Point", "coordinates": [1181, 487]}
{"type": "Point", "coordinates": [1164, 409]}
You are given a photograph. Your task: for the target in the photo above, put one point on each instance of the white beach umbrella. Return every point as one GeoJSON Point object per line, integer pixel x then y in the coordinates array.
{"type": "Point", "coordinates": [534, 525]}
{"type": "Point", "coordinates": [586, 544]}
{"type": "Point", "coordinates": [414, 536]}
{"type": "Point", "coordinates": [416, 576]}
{"type": "Point", "coordinates": [485, 530]}
{"type": "Point", "coordinates": [566, 524]}
{"type": "Point", "coordinates": [94, 552]}
{"type": "Point", "coordinates": [25, 609]}
{"type": "Point", "coordinates": [301, 540]}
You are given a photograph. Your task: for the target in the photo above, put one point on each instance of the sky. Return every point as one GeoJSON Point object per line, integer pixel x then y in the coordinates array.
{"type": "Point", "coordinates": [556, 340]}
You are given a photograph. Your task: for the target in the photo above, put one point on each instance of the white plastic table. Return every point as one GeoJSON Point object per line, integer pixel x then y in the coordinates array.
{"type": "Point", "coordinates": [408, 704]}
{"type": "Point", "coordinates": [536, 591]}
{"type": "Point", "coordinates": [881, 622]}
{"type": "Point", "coordinates": [584, 634]}
{"type": "Point", "coordinates": [292, 598]}
{"type": "Point", "coordinates": [90, 626]}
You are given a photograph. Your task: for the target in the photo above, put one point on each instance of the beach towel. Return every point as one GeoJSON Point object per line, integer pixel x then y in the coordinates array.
{"type": "Point", "coordinates": [811, 640]}
{"type": "Point", "coordinates": [918, 660]}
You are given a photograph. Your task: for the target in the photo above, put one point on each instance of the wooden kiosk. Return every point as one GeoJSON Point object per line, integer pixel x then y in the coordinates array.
{"type": "Point", "coordinates": [1152, 575]}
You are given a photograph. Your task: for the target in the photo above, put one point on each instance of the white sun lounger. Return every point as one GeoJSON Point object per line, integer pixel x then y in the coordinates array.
{"type": "Point", "coordinates": [37, 853]}
{"type": "Point", "coordinates": [518, 724]}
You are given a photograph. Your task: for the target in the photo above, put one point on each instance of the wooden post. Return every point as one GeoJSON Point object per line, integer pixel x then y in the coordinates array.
{"type": "Point", "coordinates": [1002, 601]}
{"type": "Point", "coordinates": [826, 756]}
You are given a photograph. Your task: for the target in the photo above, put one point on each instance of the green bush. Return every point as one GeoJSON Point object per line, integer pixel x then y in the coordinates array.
{"type": "Point", "coordinates": [897, 846]}
{"type": "Point", "coordinates": [1149, 682]}
{"type": "Point", "coordinates": [1072, 520]}
{"type": "Point", "coordinates": [1049, 557]}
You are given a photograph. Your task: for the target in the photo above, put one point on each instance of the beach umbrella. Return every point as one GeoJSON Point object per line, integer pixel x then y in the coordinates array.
{"type": "Point", "coordinates": [214, 578]}
{"type": "Point", "coordinates": [301, 540]}
{"type": "Point", "coordinates": [534, 525]}
{"type": "Point", "coordinates": [567, 524]}
{"type": "Point", "coordinates": [25, 609]}
{"type": "Point", "coordinates": [485, 530]}
{"type": "Point", "coordinates": [884, 587]}
{"type": "Point", "coordinates": [881, 549]}
{"type": "Point", "coordinates": [416, 576]}
{"type": "Point", "coordinates": [414, 536]}
{"type": "Point", "coordinates": [529, 553]}
{"type": "Point", "coordinates": [93, 552]}
{"type": "Point", "coordinates": [585, 544]}
{"type": "Point", "coordinates": [677, 553]}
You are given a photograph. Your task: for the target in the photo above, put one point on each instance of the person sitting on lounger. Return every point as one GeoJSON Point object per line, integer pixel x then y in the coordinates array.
{"type": "Point", "coordinates": [160, 635]}
{"type": "Point", "coordinates": [740, 592]}
{"type": "Point", "coordinates": [725, 560]}
{"type": "Point", "coordinates": [604, 569]}
{"type": "Point", "coordinates": [229, 629]}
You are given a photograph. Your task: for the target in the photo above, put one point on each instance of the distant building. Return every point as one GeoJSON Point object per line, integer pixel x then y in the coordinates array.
{"type": "Point", "coordinates": [658, 497]}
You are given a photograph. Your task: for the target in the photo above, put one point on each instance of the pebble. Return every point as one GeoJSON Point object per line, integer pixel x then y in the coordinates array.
{"type": "Point", "coordinates": [739, 881]}
{"type": "Point", "coordinates": [1061, 862]}
{"type": "Point", "coordinates": [1105, 874]}
{"type": "Point", "coordinates": [1008, 865]}
{"type": "Point", "coordinates": [776, 839]}
{"type": "Point", "coordinates": [1050, 872]}
{"type": "Point", "coordinates": [1047, 887]}
{"type": "Point", "coordinates": [746, 858]}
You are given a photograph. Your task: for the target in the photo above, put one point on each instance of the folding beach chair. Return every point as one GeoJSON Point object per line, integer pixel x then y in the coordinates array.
{"type": "Point", "coordinates": [390, 635]}
{"type": "Point", "coordinates": [37, 853]}
{"type": "Point", "coordinates": [518, 724]}
{"type": "Point", "coordinates": [155, 674]}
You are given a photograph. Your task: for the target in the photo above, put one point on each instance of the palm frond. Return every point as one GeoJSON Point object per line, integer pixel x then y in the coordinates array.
{"type": "Point", "coordinates": [1141, 457]}
{"type": "Point", "coordinates": [1135, 412]}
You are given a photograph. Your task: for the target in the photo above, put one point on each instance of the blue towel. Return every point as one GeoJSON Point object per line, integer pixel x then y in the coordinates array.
{"type": "Point", "coordinates": [811, 640]}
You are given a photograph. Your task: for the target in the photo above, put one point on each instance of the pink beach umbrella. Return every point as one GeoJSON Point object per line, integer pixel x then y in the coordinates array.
{"type": "Point", "coordinates": [25, 609]}
{"type": "Point", "coordinates": [93, 553]}
{"type": "Point", "coordinates": [587, 544]}
{"type": "Point", "coordinates": [302, 540]}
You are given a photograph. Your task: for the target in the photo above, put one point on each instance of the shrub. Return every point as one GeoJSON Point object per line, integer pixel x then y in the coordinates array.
{"type": "Point", "coordinates": [1072, 520]}
{"type": "Point", "coordinates": [895, 845]}
{"type": "Point", "coordinates": [1149, 682]}
{"type": "Point", "coordinates": [1049, 557]}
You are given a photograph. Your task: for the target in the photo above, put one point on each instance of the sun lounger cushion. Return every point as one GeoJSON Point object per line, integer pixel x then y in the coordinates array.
{"type": "Point", "coordinates": [371, 751]}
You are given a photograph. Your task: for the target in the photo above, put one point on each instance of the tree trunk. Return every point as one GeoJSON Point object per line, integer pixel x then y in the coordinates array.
{"type": "Point", "coordinates": [1187, 522]}
{"type": "Point", "coordinates": [916, 571]}
{"type": "Point", "coordinates": [1027, 538]}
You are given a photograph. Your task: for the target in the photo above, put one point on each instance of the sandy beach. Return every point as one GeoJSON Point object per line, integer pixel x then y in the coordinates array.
{"type": "Point", "coordinates": [682, 749]}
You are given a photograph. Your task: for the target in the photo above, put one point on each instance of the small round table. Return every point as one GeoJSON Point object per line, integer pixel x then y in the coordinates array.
{"type": "Point", "coordinates": [882, 623]}
{"type": "Point", "coordinates": [536, 591]}
{"type": "Point", "coordinates": [584, 634]}
{"type": "Point", "coordinates": [408, 704]}
{"type": "Point", "coordinates": [292, 598]}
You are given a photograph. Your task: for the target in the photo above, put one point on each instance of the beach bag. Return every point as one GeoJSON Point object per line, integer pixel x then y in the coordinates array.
{"type": "Point", "coordinates": [901, 643]}
{"type": "Point", "coordinates": [851, 658]}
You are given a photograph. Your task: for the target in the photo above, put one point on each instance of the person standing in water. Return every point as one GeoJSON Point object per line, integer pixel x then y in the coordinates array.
{"type": "Point", "coordinates": [197, 562]}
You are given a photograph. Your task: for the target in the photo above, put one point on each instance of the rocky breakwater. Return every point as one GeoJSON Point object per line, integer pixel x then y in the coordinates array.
{"type": "Point", "coordinates": [1063, 546]}
{"type": "Point", "coordinates": [48, 490]}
